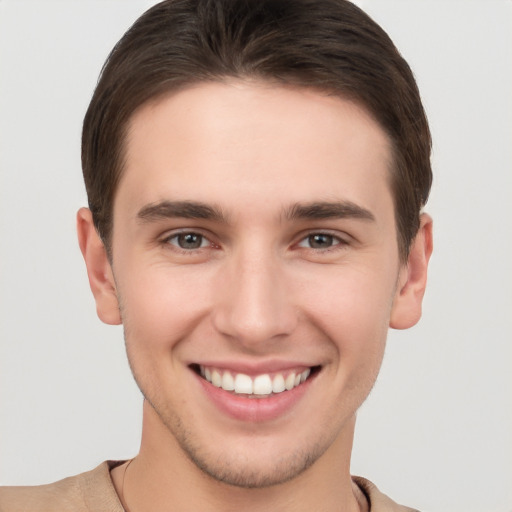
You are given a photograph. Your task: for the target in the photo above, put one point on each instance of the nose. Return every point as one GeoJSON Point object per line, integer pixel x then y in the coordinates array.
{"type": "Point", "coordinates": [254, 305]}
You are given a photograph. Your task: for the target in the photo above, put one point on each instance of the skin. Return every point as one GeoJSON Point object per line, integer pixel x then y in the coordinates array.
{"type": "Point", "coordinates": [259, 291]}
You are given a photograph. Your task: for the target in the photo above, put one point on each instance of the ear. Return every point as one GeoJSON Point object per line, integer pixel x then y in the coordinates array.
{"type": "Point", "coordinates": [412, 281]}
{"type": "Point", "coordinates": [99, 270]}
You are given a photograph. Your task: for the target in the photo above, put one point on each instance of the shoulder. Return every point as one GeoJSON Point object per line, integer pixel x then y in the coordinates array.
{"type": "Point", "coordinates": [377, 500]}
{"type": "Point", "coordinates": [90, 491]}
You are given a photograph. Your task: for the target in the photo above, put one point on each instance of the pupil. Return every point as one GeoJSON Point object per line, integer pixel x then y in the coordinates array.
{"type": "Point", "coordinates": [320, 241]}
{"type": "Point", "coordinates": [190, 241]}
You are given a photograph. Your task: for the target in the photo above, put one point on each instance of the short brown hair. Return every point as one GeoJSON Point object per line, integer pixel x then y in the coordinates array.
{"type": "Point", "coordinates": [330, 45]}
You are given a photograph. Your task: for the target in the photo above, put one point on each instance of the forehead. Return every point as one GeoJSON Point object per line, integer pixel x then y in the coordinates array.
{"type": "Point", "coordinates": [223, 141]}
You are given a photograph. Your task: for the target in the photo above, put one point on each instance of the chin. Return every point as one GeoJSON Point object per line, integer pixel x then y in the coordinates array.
{"type": "Point", "coordinates": [256, 461]}
{"type": "Point", "coordinates": [242, 470]}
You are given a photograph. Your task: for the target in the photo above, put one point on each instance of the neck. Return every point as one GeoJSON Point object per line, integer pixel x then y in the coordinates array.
{"type": "Point", "coordinates": [162, 474]}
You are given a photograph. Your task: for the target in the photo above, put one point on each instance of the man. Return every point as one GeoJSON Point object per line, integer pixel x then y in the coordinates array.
{"type": "Point", "coordinates": [256, 172]}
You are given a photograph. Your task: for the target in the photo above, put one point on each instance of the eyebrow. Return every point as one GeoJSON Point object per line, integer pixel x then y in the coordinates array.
{"type": "Point", "coordinates": [180, 209]}
{"type": "Point", "coordinates": [328, 210]}
{"type": "Point", "coordinates": [305, 211]}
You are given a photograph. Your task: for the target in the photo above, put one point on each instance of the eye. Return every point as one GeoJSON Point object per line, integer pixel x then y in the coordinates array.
{"type": "Point", "coordinates": [188, 241]}
{"type": "Point", "coordinates": [319, 241]}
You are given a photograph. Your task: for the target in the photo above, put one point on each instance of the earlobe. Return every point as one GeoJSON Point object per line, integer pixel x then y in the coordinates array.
{"type": "Point", "coordinates": [99, 270]}
{"type": "Point", "coordinates": [406, 310]}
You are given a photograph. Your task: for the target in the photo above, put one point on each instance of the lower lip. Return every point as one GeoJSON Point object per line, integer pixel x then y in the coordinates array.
{"type": "Point", "coordinates": [255, 409]}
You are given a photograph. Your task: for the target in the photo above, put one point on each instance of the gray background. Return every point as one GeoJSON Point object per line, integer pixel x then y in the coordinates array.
{"type": "Point", "coordinates": [436, 431]}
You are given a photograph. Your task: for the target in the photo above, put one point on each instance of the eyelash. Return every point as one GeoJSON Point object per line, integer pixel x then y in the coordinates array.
{"type": "Point", "coordinates": [336, 241]}
{"type": "Point", "coordinates": [175, 236]}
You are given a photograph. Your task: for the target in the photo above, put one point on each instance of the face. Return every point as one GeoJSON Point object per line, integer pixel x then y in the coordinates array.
{"type": "Point", "coordinates": [256, 266]}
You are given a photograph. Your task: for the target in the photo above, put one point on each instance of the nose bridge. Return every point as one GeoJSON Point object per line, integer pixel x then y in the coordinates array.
{"type": "Point", "coordinates": [256, 306]}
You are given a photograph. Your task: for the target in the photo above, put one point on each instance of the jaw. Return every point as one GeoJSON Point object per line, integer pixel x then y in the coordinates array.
{"type": "Point", "coordinates": [253, 458]}
{"type": "Point", "coordinates": [181, 471]}
{"type": "Point", "coordinates": [190, 441]}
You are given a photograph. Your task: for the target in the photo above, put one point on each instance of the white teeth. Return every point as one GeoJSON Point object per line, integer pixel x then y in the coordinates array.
{"type": "Point", "coordinates": [216, 379]}
{"type": "Point", "coordinates": [278, 384]}
{"type": "Point", "coordinates": [262, 385]}
{"type": "Point", "coordinates": [228, 383]}
{"type": "Point", "coordinates": [243, 384]}
{"type": "Point", "coordinates": [304, 375]}
{"type": "Point", "coordinates": [289, 383]}
{"type": "Point", "coordinates": [259, 385]}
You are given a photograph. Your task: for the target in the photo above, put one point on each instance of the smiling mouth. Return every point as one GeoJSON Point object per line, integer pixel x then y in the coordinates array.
{"type": "Point", "coordinates": [258, 386]}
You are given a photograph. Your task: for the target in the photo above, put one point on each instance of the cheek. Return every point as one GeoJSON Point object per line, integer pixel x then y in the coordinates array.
{"type": "Point", "coordinates": [352, 311]}
{"type": "Point", "coordinates": [353, 301]}
{"type": "Point", "coordinates": [160, 308]}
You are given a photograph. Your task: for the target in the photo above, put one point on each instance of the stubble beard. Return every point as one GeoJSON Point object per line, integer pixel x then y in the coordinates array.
{"type": "Point", "coordinates": [237, 469]}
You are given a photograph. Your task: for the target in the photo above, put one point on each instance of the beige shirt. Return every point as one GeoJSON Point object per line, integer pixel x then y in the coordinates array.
{"type": "Point", "coordinates": [94, 491]}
